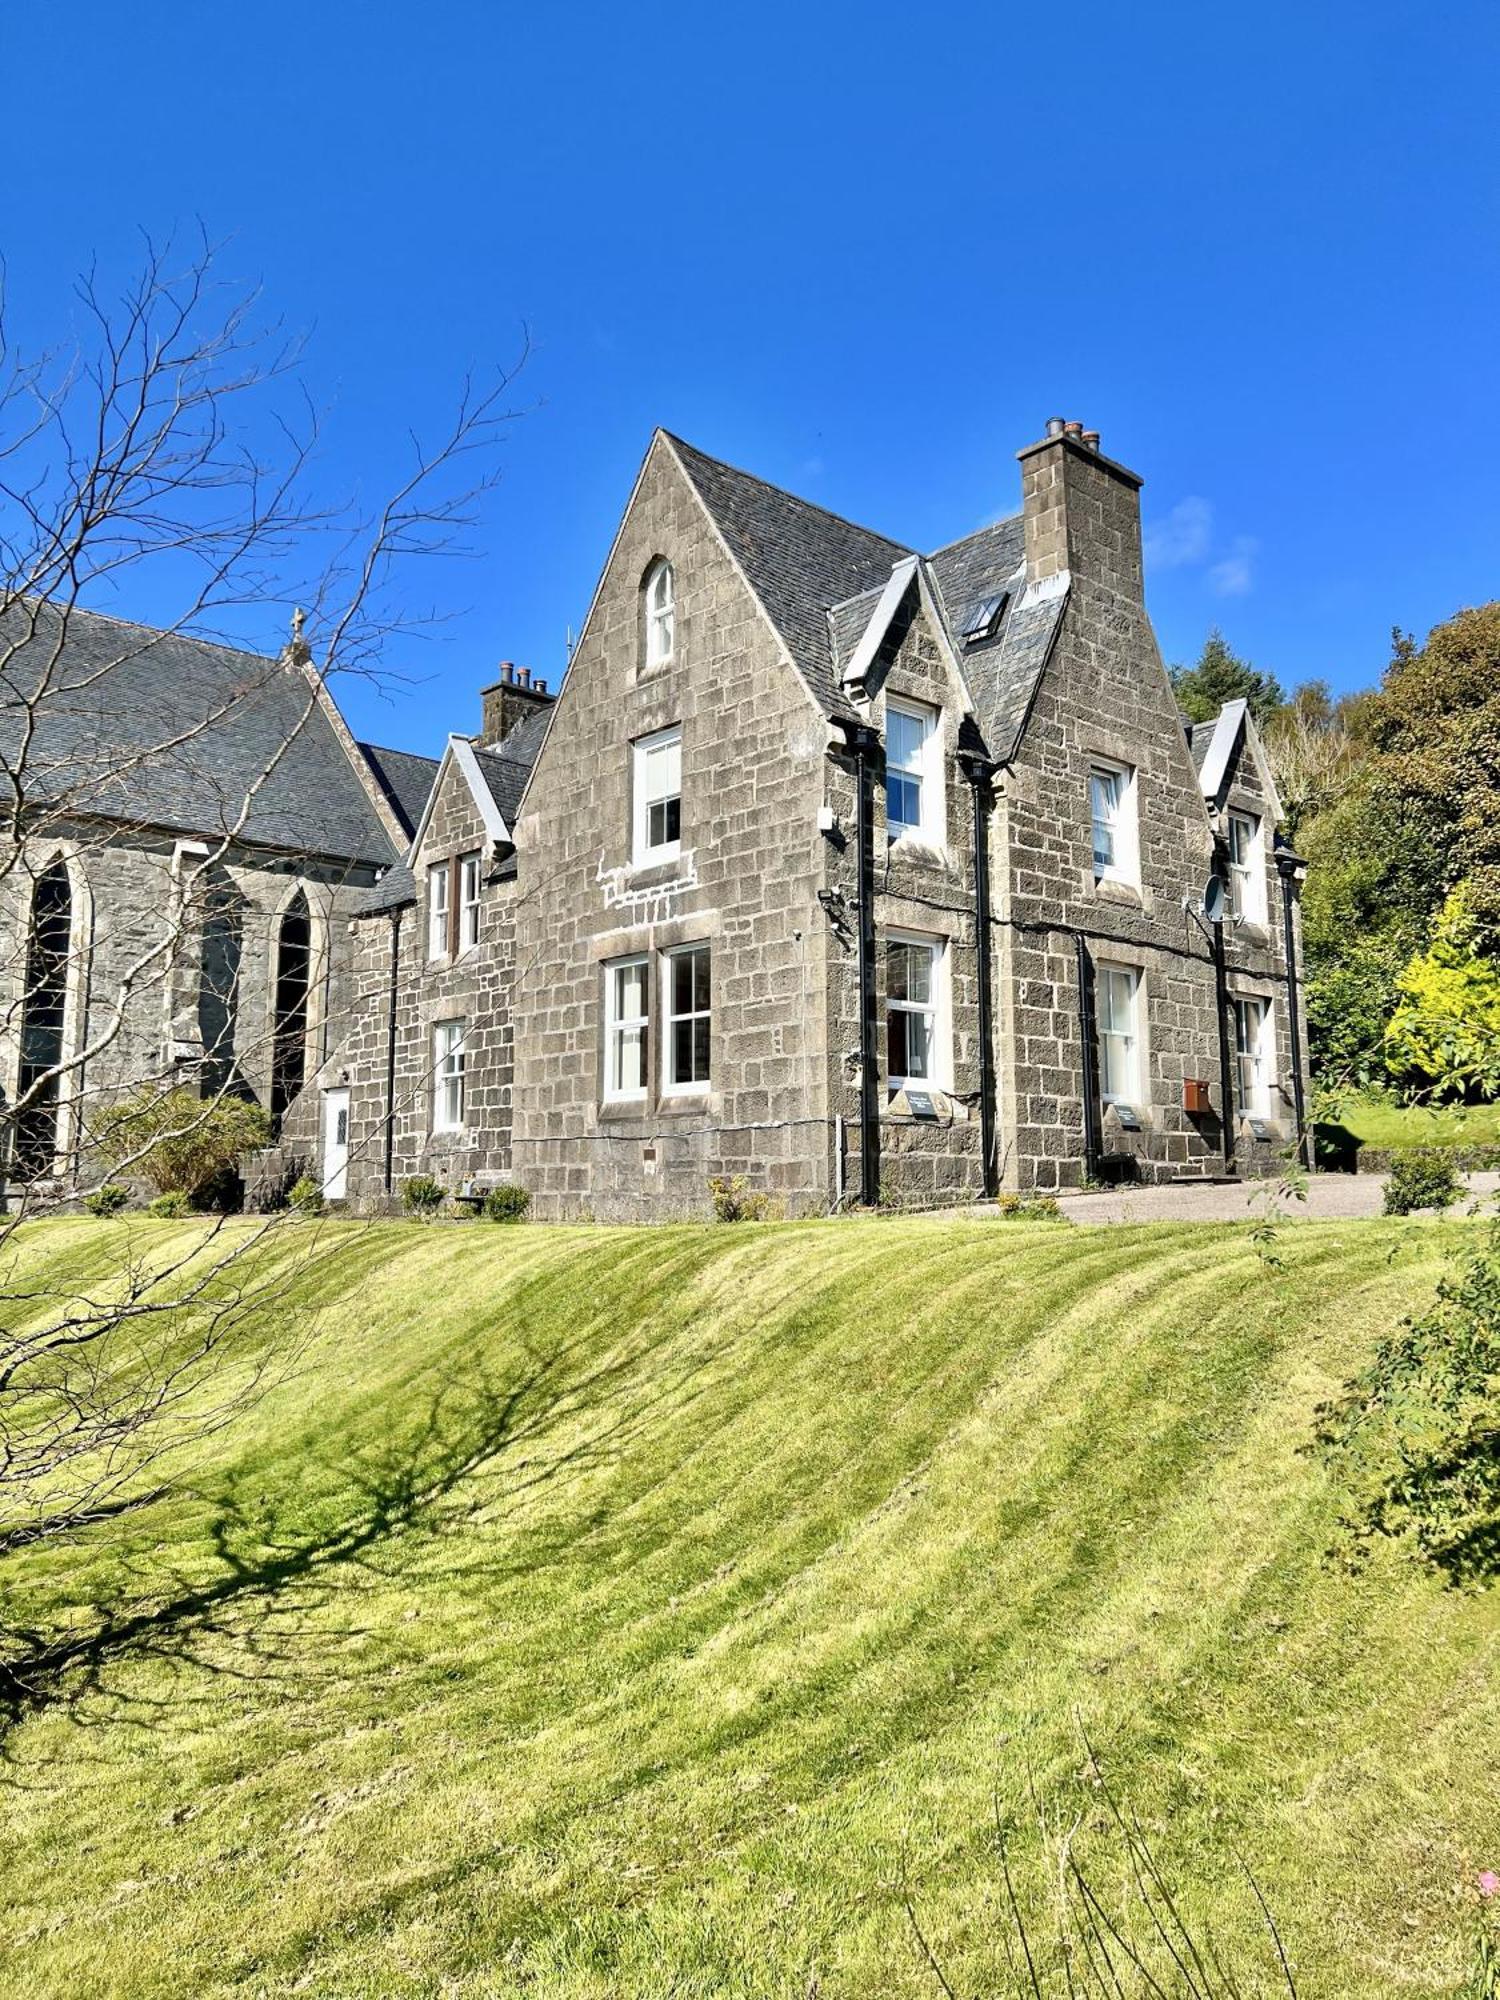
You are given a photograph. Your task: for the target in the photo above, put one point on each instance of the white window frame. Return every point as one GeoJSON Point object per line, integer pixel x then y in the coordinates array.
{"type": "Point", "coordinates": [1247, 867]}
{"type": "Point", "coordinates": [694, 1086]}
{"type": "Point", "coordinates": [1105, 974]}
{"type": "Point", "coordinates": [618, 1026]}
{"type": "Point", "coordinates": [939, 1052]}
{"type": "Point", "coordinates": [1254, 1056]}
{"type": "Point", "coordinates": [647, 790]}
{"type": "Point", "coordinates": [449, 1062]}
{"type": "Point", "coordinates": [925, 771]}
{"type": "Point", "coordinates": [1123, 828]}
{"type": "Point", "coordinates": [468, 902]}
{"type": "Point", "coordinates": [439, 889]}
{"type": "Point", "coordinates": [661, 614]}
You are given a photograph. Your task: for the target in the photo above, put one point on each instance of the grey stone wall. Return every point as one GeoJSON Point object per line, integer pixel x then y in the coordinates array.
{"type": "Point", "coordinates": [476, 987]}
{"type": "Point", "coordinates": [925, 889]}
{"type": "Point", "coordinates": [1105, 694]}
{"type": "Point", "coordinates": [746, 882]}
{"type": "Point", "coordinates": [138, 928]}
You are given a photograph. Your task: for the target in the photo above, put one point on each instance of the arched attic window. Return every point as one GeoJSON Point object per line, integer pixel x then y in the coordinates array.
{"type": "Point", "coordinates": [43, 1020]}
{"type": "Point", "coordinates": [661, 613]}
{"type": "Point", "coordinates": [293, 981]}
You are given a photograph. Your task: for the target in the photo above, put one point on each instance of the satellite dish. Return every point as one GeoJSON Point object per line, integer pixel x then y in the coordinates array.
{"type": "Point", "coordinates": [1214, 900]}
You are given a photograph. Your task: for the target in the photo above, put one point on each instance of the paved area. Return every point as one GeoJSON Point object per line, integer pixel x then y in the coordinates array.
{"type": "Point", "coordinates": [1330, 1197]}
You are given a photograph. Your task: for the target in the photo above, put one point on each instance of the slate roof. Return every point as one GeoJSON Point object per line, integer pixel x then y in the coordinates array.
{"type": "Point", "coordinates": [404, 778]}
{"type": "Point", "coordinates": [799, 559]}
{"type": "Point", "coordinates": [504, 768]}
{"type": "Point", "coordinates": [155, 728]}
{"type": "Point", "coordinates": [820, 578]}
{"type": "Point", "coordinates": [507, 765]}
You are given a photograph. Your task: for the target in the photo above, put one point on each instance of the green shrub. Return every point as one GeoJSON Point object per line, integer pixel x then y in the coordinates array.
{"type": "Point", "coordinates": [1421, 1177]}
{"type": "Point", "coordinates": [1415, 1437]}
{"type": "Point", "coordinates": [306, 1196]}
{"type": "Point", "coordinates": [422, 1196]}
{"type": "Point", "coordinates": [506, 1204]}
{"type": "Point", "coordinates": [736, 1201]}
{"type": "Point", "coordinates": [106, 1200]}
{"type": "Point", "coordinates": [1028, 1207]}
{"type": "Point", "coordinates": [183, 1144]}
{"type": "Point", "coordinates": [170, 1207]}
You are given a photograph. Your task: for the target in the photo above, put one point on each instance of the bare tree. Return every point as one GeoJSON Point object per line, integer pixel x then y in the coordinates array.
{"type": "Point", "coordinates": [1312, 752]}
{"type": "Point", "coordinates": [162, 824]}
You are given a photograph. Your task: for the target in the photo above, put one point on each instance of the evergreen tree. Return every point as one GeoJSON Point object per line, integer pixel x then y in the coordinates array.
{"type": "Point", "coordinates": [1219, 676]}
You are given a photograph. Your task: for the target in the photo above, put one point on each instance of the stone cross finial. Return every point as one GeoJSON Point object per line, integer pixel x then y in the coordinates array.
{"type": "Point", "coordinates": [299, 619]}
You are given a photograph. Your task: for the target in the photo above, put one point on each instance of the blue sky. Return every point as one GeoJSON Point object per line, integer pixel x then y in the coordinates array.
{"type": "Point", "coordinates": [863, 251]}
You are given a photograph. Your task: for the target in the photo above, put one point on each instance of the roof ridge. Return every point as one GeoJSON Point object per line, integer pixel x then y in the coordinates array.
{"type": "Point", "coordinates": [786, 493]}
{"type": "Point", "coordinates": [397, 750]}
{"type": "Point", "coordinates": [973, 535]}
{"type": "Point", "coordinates": [159, 631]}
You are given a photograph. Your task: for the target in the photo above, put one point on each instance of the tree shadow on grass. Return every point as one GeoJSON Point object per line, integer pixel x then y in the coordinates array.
{"type": "Point", "coordinates": [243, 1610]}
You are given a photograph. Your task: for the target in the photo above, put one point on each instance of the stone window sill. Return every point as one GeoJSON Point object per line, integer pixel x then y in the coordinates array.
{"type": "Point", "coordinates": [1128, 895]}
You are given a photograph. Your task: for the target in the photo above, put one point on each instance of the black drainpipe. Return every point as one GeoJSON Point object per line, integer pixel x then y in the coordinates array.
{"type": "Point", "coordinates": [1226, 1070]}
{"type": "Point", "coordinates": [390, 1056]}
{"type": "Point", "coordinates": [1091, 1138]}
{"type": "Point", "coordinates": [864, 743]}
{"type": "Point", "coordinates": [1288, 864]}
{"type": "Point", "coordinates": [979, 774]}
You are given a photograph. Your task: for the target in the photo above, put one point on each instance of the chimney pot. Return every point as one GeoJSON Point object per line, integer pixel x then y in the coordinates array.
{"type": "Point", "coordinates": [1055, 427]}
{"type": "Point", "coordinates": [1074, 430]}
{"type": "Point", "coordinates": [507, 671]}
{"type": "Point", "coordinates": [541, 687]}
{"type": "Point", "coordinates": [523, 676]}
{"type": "Point", "coordinates": [1091, 439]}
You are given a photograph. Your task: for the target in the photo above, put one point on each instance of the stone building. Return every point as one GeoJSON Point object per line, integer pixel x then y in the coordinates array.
{"type": "Point", "coordinates": [862, 873]}
{"type": "Point", "coordinates": [187, 830]}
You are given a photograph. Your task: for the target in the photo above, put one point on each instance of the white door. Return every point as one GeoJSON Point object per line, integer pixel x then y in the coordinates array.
{"type": "Point", "coordinates": [335, 1143]}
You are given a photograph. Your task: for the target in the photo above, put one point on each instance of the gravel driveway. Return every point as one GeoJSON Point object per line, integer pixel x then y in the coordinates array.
{"type": "Point", "coordinates": [1330, 1198]}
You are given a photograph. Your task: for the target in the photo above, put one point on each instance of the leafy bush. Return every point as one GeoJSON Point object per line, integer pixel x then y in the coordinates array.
{"type": "Point", "coordinates": [422, 1196]}
{"type": "Point", "coordinates": [1028, 1207]}
{"type": "Point", "coordinates": [736, 1201]}
{"type": "Point", "coordinates": [1421, 1177]}
{"type": "Point", "coordinates": [1415, 1437]}
{"type": "Point", "coordinates": [106, 1200]}
{"type": "Point", "coordinates": [506, 1204]}
{"type": "Point", "coordinates": [170, 1207]}
{"type": "Point", "coordinates": [306, 1196]}
{"type": "Point", "coordinates": [183, 1144]}
{"type": "Point", "coordinates": [1445, 1032]}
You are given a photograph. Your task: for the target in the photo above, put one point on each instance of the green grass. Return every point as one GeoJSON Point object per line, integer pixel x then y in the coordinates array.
{"type": "Point", "coordinates": [619, 1613]}
{"type": "Point", "coordinates": [1381, 1121]}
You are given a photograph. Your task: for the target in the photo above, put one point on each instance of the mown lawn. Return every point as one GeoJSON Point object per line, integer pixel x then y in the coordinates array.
{"type": "Point", "coordinates": [1381, 1121]}
{"type": "Point", "coordinates": [625, 1613]}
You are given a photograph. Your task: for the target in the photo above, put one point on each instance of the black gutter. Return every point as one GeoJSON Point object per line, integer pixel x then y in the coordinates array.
{"type": "Point", "coordinates": [979, 773]}
{"type": "Point", "coordinates": [1287, 864]}
{"type": "Point", "coordinates": [390, 1056]}
{"type": "Point", "coordinates": [1092, 1140]}
{"type": "Point", "coordinates": [864, 743]}
{"type": "Point", "coordinates": [1226, 1071]}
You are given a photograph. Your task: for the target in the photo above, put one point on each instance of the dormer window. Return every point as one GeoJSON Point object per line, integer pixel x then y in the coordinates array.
{"type": "Point", "coordinates": [913, 771]}
{"type": "Point", "coordinates": [661, 613]}
{"type": "Point", "coordinates": [1247, 869]}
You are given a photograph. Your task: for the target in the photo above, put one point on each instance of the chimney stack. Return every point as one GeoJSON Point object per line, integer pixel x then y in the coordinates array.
{"type": "Point", "coordinates": [1081, 512]}
{"type": "Point", "coordinates": [509, 700]}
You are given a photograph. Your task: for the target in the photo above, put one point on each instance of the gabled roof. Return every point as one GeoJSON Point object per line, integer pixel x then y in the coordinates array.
{"type": "Point", "coordinates": [406, 780]}
{"type": "Point", "coordinates": [823, 582]}
{"type": "Point", "coordinates": [799, 559]}
{"type": "Point", "coordinates": [159, 729]}
{"type": "Point", "coordinates": [1218, 742]}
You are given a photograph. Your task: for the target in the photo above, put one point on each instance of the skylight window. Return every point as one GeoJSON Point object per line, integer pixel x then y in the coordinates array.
{"type": "Point", "coordinates": [982, 620]}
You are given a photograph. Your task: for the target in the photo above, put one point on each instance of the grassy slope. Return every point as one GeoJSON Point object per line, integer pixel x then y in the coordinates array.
{"type": "Point", "coordinates": [608, 1613]}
